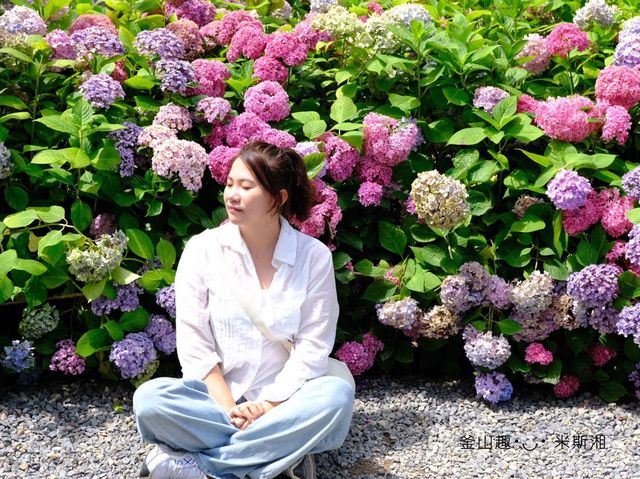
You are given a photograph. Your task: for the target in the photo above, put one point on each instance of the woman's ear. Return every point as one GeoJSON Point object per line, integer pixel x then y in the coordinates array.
{"type": "Point", "coordinates": [284, 196]}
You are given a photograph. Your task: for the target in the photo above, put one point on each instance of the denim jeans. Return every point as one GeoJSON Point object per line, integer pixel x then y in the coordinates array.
{"type": "Point", "coordinates": [181, 414]}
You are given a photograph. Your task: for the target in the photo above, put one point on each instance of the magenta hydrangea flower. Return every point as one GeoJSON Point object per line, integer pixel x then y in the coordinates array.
{"type": "Point", "coordinates": [568, 190]}
{"type": "Point", "coordinates": [270, 69]}
{"type": "Point", "coordinates": [594, 286]}
{"type": "Point", "coordinates": [487, 97]}
{"type": "Point", "coordinates": [66, 360]}
{"type": "Point", "coordinates": [340, 157]}
{"type": "Point", "coordinates": [614, 216]}
{"type": "Point", "coordinates": [493, 387]}
{"type": "Point", "coordinates": [214, 109]}
{"type": "Point", "coordinates": [566, 37]}
{"type": "Point", "coordinates": [536, 47]}
{"type": "Point", "coordinates": [232, 22]}
{"type": "Point", "coordinates": [325, 212]}
{"type": "Point", "coordinates": [186, 159]}
{"type": "Point", "coordinates": [160, 43]}
{"type": "Point", "coordinates": [375, 8]}
{"type": "Point", "coordinates": [276, 137]}
{"type": "Point", "coordinates": [568, 118]}
{"type": "Point", "coordinates": [527, 104]}
{"type": "Point", "coordinates": [210, 34]}
{"type": "Point", "coordinates": [359, 357]}
{"type": "Point", "coordinates": [308, 35]}
{"type": "Point", "coordinates": [244, 128]}
{"type": "Point", "coordinates": [387, 140]}
{"type": "Point", "coordinates": [220, 160]}
{"type": "Point", "coordinates": [61, 44]}
{"type": "Point", "coordinates": [537, 353]}
{"type": "Point", "coordinates": [189, 33]}
{"type": "Point", "coordinates": [210, 76]}
{"type": "Point", "coordinates": [200, 12]}
{"type": "Point", "coordinates": [101, 90]}
{"type": "Point", "coordinates": [173, 116]}
{"type": "Point", "coordinates": [581, 219]}
{"type": "Point", "coordinates": [249, 42]}
{"type": "Point", "coordinates": [370, 194]}
{"type": "Point", "coordinates": [618, 85]}
{"type": "Point", "coordinates": [268, 100]}
{"type": "Point", "coordinates": [601, 354]}
{"type": "Point", "coordinates": [617, 125]}
{"type": "Point", "coordinates": [88, 20]}
{"type": "Point", "coordinates": [567, 386]}
{"type": "Point", "coordinates": [287, 47]}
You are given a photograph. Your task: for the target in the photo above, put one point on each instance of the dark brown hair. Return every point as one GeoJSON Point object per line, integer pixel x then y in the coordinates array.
{"type": "Point", "coordinates": [280, 168]}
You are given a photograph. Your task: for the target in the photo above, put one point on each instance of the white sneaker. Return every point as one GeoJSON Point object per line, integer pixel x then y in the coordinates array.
{"type": "Point", "coordinates": [308, 466]}
{"type": "Point", "coordinates": [166, 463]}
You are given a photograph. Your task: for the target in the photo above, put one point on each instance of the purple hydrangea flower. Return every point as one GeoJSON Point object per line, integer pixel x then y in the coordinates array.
{"type": "Point", "coordinates": [175, 75]}
{"type": "Point", "coordinates": [306, 148]}
{"type": "Point", "coordinates": [101, 90]}
{"type": "Point", "coordinates": [455, 294]}
{"type": "Point", "coordinates": [22, 20]}
{"type": "Point", "coordinates": [126, 141]}
{"type": "Point", "coordinates": [594, 286]}
{"type": "Point", "coordinates": [96, 41]}
{"type": "Point", "coordinates": [629, 322]}
{"type": "Point", "coordinates": [19, 356]}
{"type": "Point", "coordinates": [632, 249]}
{"type": "Point", "coordinates": [493, 387]}
{"type": "Point", "coordinates": [166, 298]}
{"type": "Point", "coordinates": [483, 349]}
{"type": "Point", "coordinates": [627, 53]}
{"type": "Point", "coordinates": [487, 97]}
{"type": "Point", "coordinates": [199, 11]}
{"type": "Point", "coordinates": [568, 190]}
{"type": "Point", "coordinates": [127, 299]}
{"type": "Point", "coordinates": [161, 43]}
{"type": "Point", "coordinates": [66, 360]}
{"type": "Point", "coordinates": [60, 42]}
{"type": "Point", "coordinates": [133, 354]}
{"type": "Point", "coordinates": [631, 182]}
{"type": "Point", "coordinates": [497, 292]}
{"type": "Point", "coordinates": [161, 333]}
{"type": "Point", "coordinates": [103, 224]}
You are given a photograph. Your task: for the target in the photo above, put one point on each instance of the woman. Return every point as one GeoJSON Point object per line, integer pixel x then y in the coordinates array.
{"type": "Point", "coordinates": [245, 406]}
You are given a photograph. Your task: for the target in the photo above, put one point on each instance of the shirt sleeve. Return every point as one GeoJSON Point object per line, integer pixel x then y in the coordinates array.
{"type": "Point", "coordinates": [316, 335]}
{"type": "Point", "coordinates": [194, 337]}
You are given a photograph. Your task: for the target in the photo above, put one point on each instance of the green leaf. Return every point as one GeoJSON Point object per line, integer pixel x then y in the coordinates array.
{"type": "Point", "coordinates": [366, 268]}
{"type": "Point", "coordinates": [123, 276]}
{"type": "Point", "coordinates": [306, 116]}
{"type": "Point", "coordinates": [81, 215]}
{"type": "Point", "coordinates": [54, 6]}
{"type": "Point", "coordinates": [416, 282]}
{"type": "Point", "coordinates": [340, 259]}
{"type": "Point", "coordinates": [107, 158]}
{"type": "Point", "coordinates": [379, 291]}
{"type": "Point", "coordinates": [21, 219]}
{"type": "Point", "coordinates": [612, 391]}
{"type": "Point", "coordinates": [114, 330]}
{"type": "Point", "coordinates": [586, 254]}
{"type": "Point", "coordinates": [56, 123]}
{"type": "Point", "coordinates": [6, 289]}
{"type": "Point", "coordinates": [541, 160]}
{"type": "Point", "coordinates": [439, 131]}
{"type": "Point", "coordinates": [93, 341]}
{"type": "Point", "coordinates": [404, 103]}
{"type": "Point", "coordinates": [634, 215]}
{"type": "Point", "coordinates": [76, 157]}
{"type": "Point", "coordinates": [151, 280]}
{"type": "Point", "coordinates": [50, 214]}
{"type": "Point", "coordinates": [140, 244]}
{"type": "Point", "coordinates": [134, 320]}
{"type": "Point", "coordinates": [7, 261]}
{"type": "Point", "coordinates": [314, 129]}
{"type": "Point", "coordinates": [552, 375]}
{"type": "Point", "coordinates": [30, 266]}
{"type": "Point", "coordinates": [456, 96]}
{"type": "Point", "coordinates": [504, 109]}
{"type": "Point", "coordinates": [343, 109]}
{"type": "Point", "coordinates": [528, 224]}
{"type": "Point", "coordinates": [631, 350]}
{"type": "Point", "coordinates": [354, 138]}
{"type": "Point", "coordinates": [629, 284]}
{"type": "Point", "coordinates": [467, 136]}
{"type": "Point", "coordinates": [16, 197]}
{"type": "Point", "coordinates": [141, 82]}
{"type": "Point", "coordinates": [49, 157]}
{"type": "Point", "coordinates": [314, 163]}
{"type": "Point", "coordinates": [509, 327]}
{"type": "Point", "coordinates": [517, 365]}
{"type": "Point", "coordinates": [13, 102]}
{"type": "Point", "coordinates": [16, 54]}
{"type": "Point", "coordinates": [392, 238]}
{"type": "Point", "coordinates": [166, 253]}
{"type": "Point", "coordinates": [483, 172]}
{"type": "Point", "coordinates": [48, 242]}
{"type": "Point", "coordinates": [556, 270]}
{"type": "Point", "coordinates": [93, 291]}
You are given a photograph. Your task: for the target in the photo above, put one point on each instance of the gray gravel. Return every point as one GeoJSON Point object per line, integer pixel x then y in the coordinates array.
{"type": "Point", "coordinates": [406, 428]}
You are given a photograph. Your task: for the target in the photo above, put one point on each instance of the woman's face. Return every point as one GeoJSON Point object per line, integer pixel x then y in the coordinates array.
{"type": "Point", "coordinates": [246, 201]}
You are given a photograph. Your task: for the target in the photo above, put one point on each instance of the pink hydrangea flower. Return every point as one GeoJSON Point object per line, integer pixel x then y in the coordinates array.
{"type": "Point", "coordinates": [232, 22]}
{"type": "Point", "coordinates": [276, 137]}
{"type": "Point", "coordinates": [211, 76]}
{"type": "Point", "coordinates": [614, 216]}
{"type": "Point", "coordinates": [566, 37]}
{"type": "Point", "coordinates": [173, 116]}
{"type": "Point", "coordinates": [567, 386]}
{"type": "Point", "coordinates": [375, 8]}
{"type": "Point", "coordinates": [369, 169]}
{"type": "Point", "coordinates": [567, 118]}
{"type": "Point", "coordinates": [537, 353]}
{"type": "Point", "coordinates": [581, 219]}
{"type": "Point", "coordinates": [214, 109]}
{"type": "Point", "coordinates": [189, 33]}
{"type": "Point", "coordinates": [249, 42]}
{"type": "Point", "coordinates": [617, 124]}
{"type": "Point", "coordinates": [536, 47]}
{"type": "Point", "coordinates": [341, 158]}
{"type": "Point", "coordinates": [270, 69]}
{"type": "Point", "coordinates": [527, 104]}
{"type": "Point", "coordinates": [243, 128]}
{"type": "Point", "coordinates": [154, 135]}
{"type": "Point", "coordinates": [325, 212]}
{"type": "Point", "coordinates": [200, 12]}
{"type": "Point", "coordinates": [618, 86]}
{"type": "Point", "coordinates": [210, 34]}
{"type": "Point", "coordinates": [268, 100]}
{"type": "Point", "coordinates": [220, 160]}
{"type": "Point", "coordinates": [370, 194]}
{"type": "Point", "coordinates": [601, 354]}
{"type": "Point", "coordinates": [186, 159]}
{"type": "Point", "coordinates": [287, 47]}
{"type": "Point", "coordinates": [387, 140]}
{"type": "Point", "coordinates": [88, 20]}
{"type": "Point", "coordinates": [359, 357]}
{"type": "Point", "coordinates": [217, 135]}
{"type": "Point", "coordinates": [61, 45]}
{"type": "Point", "coordinates": [308, 35]}
{"type": "Point", "coordinates": [617, 252]}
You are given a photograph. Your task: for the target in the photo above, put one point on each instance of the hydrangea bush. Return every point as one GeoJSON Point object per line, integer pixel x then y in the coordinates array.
{"type": "Point", "coordinates": [475, 172]}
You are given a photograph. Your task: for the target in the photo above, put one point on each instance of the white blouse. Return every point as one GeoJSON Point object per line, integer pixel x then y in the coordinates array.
{"type": "Point", "coordinates": [300, 305]}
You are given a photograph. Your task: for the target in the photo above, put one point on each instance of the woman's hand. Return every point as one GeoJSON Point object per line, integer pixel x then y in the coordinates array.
{"type": "Point", "coordinates": [245, 413]}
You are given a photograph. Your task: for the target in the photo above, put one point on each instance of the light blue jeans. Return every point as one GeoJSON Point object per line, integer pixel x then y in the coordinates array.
{"type": "Point", "coordinates": [182, 414]}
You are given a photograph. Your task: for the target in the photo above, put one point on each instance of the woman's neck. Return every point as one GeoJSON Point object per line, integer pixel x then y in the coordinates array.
{"type": "Point", "coordinates": [261, 239]}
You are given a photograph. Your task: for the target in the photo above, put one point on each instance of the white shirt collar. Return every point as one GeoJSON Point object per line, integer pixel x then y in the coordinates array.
{"type": "Point", "coordinates": [285, 252]}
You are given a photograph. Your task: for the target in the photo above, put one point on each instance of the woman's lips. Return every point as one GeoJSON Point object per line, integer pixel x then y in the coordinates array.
{"type": "Point", "coordinates": [234, 209]}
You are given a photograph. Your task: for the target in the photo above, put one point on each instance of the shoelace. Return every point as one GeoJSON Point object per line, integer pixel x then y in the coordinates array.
{"type": "Point", "coordinates": [186, 461]}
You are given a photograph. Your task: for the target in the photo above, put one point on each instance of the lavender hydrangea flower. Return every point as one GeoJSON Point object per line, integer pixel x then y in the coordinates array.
{"type": "Point", "coordinates": [594, 12]}
{"type": "Point", "coordinates": [632, 249]}
{"type": "Point", "coordinates": [19, 356]}
{"type": "Point", "coordinates": [103, 224]}
{"type": "Point", "coordinates": [183, 158]}
{"type": "Point", "coordinates": [407, 13]}
{"type": "Point", "coordinates": [533, 294]}
{"type": "Point", "coordinates": [60, 42]}
{"type": "Point", "coordinates": [486, 98]}
{"type": "Point", "coordinates": [39, 321]}
{"type": "Point", "coordinates": [66, 360]}
{"type": "Point", "coordinates": [455, 294]}
{"type": "Point", "coordinates": [305, 148]}
{"type": "Point", "coordinates": [101, 90]}
{"type": "Point", "coordinates": [166, 298]}
{"type": "Point", "coordinates": [6, 165]}
{"type": "Point", "coordinates": [133, 354]}
{"type": "Point", "coordinates": [22, 20]}
{"type": "Point", "coordinates": [175, 75]}
{"type": "Point", "coordinates": [322, 6]}
{"type": "Point", "coordinates": [173, 116]}
{"type": "Point", "coordinates": [161, 333]}
{"type": "Point", "coordinates": [497, 292]}
{"type": "Point", "coordinates": [568, 190]}
{"type": "Point", "coordinates": [627, 52]}
{"type": "Point", "coordinates": [595, 285]}
{"type": "Point", "coordinates": [96, 41]}
{"type": "Point", "coordinates": [629, 322]}
{"type": "Point", "coordinates": [535, 326]}
{"type": "Point", "coordinates": [401, 314]}
{"type": "Point", "coordinates": [126, 142]}
{"type": "Point", "coordinates": [214, 109]}
{"type": "Point", "coordinates": [493, 387]}
{"type": "Point", "coordinates": [127, 299]}
{"type": "Point", "coordinates": [631, 182]}
{"type": "Point", "coordinates": [483, 349]}
{"type": "Point", "coordinates": [160, 43]}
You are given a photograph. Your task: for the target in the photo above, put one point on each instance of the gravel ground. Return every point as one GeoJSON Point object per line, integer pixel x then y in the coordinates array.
{"type": "Point", "coordinates": [406, 428]}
